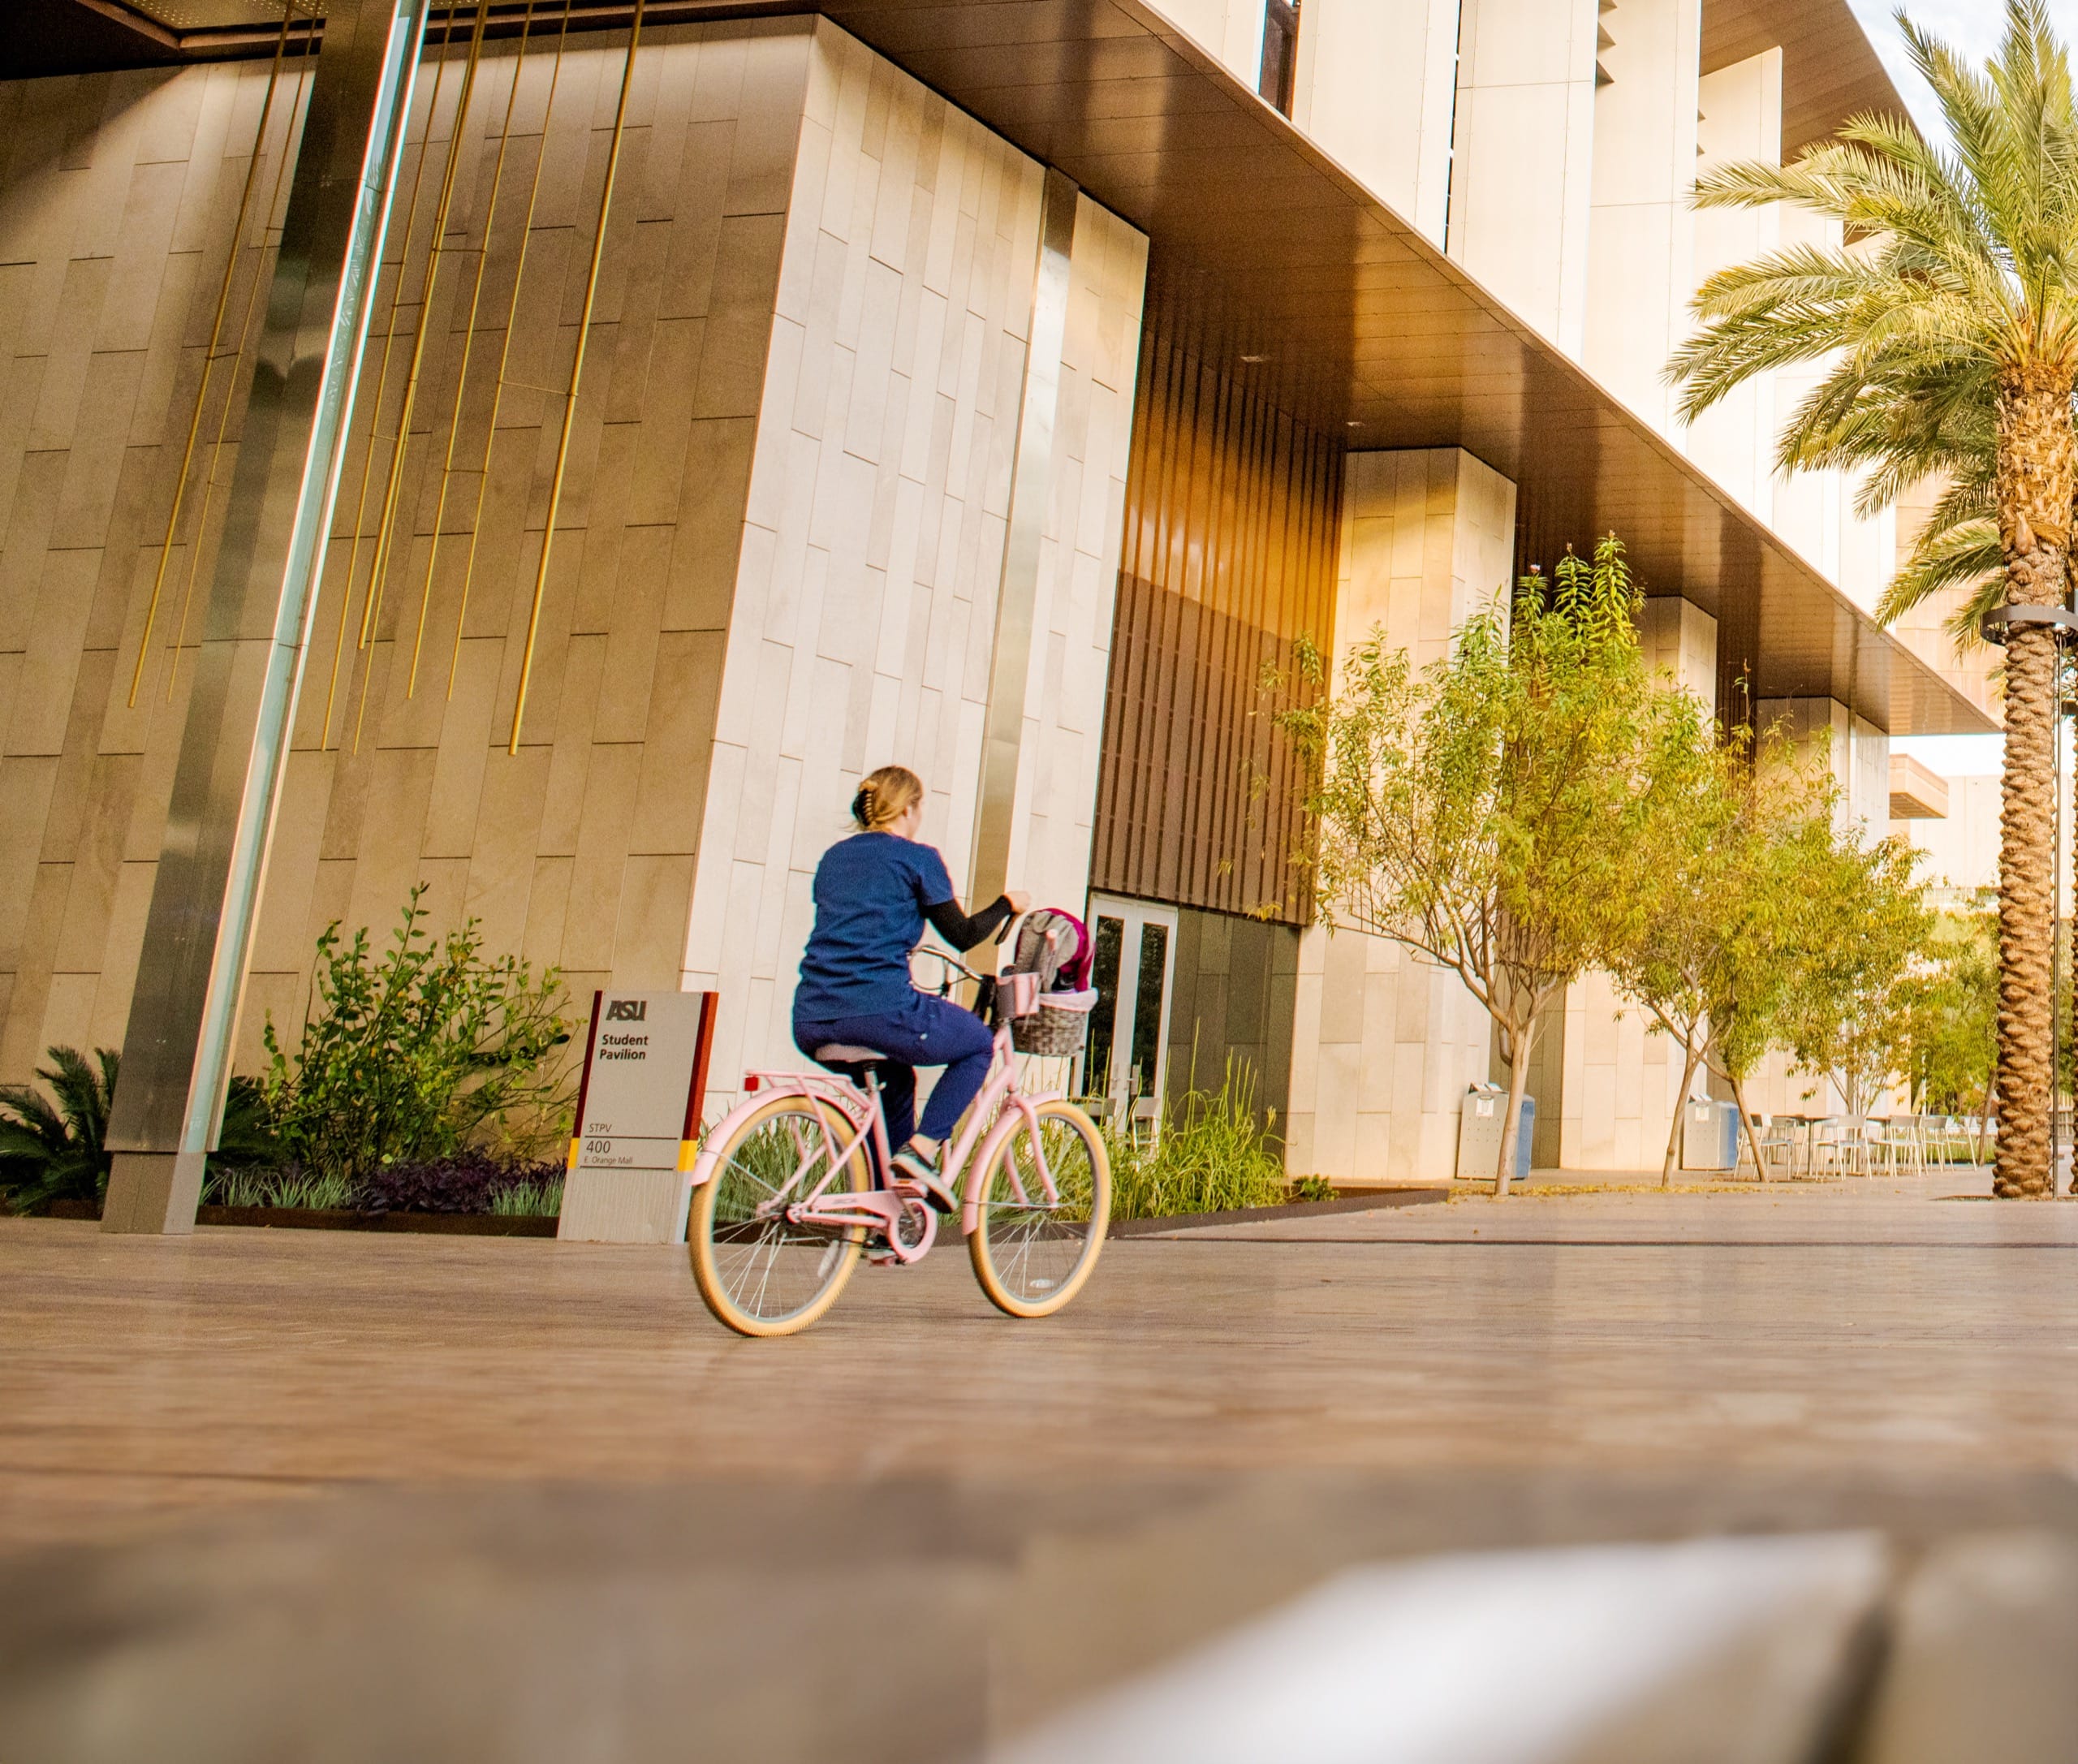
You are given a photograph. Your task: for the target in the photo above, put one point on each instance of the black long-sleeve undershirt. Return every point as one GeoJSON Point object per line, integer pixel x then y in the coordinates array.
{"type": "Point", "coordinates": [963, 933]}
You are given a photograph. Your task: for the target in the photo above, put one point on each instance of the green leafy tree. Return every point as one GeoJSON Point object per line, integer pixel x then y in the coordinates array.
{"type": "Point", "coordinates": [1724, 886]}
{"type": "Point", "coordinates": [1848, 1008]}
{"type": "Point", "coordinates": [54, 1150]}
{"type": "Point", "coordinates": [1481, 812]}
{"type": "Point", "coordinates": [1952, 315]}
{"type": "Point", "coordinates": [1952, 1029]}
{"type": "Point", "coordinates": [417, 1053]}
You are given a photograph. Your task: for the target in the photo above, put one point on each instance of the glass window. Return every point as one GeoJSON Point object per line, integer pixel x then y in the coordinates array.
{"type": "Point", "coordinates": [1104, 1014]}
{"type": "Point", "coordinates": [1146, 1008]}
{"type": "Point", "coordinates": [1280, 68]}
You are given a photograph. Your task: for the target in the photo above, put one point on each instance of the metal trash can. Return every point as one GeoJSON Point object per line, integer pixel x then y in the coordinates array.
{"type": "Point", "coordinates": [1479, 1133]}
{"type": "Point", "coordinates": [1710, 1134]}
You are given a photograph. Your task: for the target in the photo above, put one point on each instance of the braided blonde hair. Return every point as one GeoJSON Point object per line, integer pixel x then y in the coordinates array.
{"type": "Point", "coordinates": [885, 797]}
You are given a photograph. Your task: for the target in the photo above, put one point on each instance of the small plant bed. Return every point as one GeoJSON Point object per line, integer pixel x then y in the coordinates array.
{"type": "Point", "coordinates": [339, 1219]}
{"type": "Point", "coordinates": [470, 1191]}
{"type": "Point", "coordinates": [423, 1089]}
{"type": "Point", "coordinates": [344, 1218]}
{"type": "Point", "coordinates": [1361, 1201]}
{"type": "Point", "coordinates": [1214, 1160]}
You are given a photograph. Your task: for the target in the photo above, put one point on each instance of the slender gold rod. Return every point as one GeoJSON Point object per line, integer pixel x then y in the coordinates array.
{"type": "Point", "coordinates": [386, 529]}
{"type": "Point", "coordinates": [209, 355]}
{"type": "Point", "coordinates": [577, 375]}
{"type": "Point", "coordinates": [468, 346]}
{"type": "Point", "coordinates": [505, 353]}
{"type": "Point", "coordinates": [381, 386]}
{"type": "Point", "coordinates": [231, 403]}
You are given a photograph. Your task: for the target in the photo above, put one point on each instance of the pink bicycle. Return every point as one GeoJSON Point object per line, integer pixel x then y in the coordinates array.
{"type": "Point", "coordinates": [785, 1198]}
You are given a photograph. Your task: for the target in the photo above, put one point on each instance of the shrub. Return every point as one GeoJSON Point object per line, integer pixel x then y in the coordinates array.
{"type": "Point", "coordinates": [529, 1200]}
{"type": "Point", "coordinates": [247, 1139]}
{"type": "Point", "coordinates": [1214, 1153]}
{"type": "Point", "coordinates": [412, 1056]}
{"type": "Point", "coordinates": [58, 1152]}
{"type": "Point", "coordinates": [288, 1187]}
{"type": "Point", "coordinates": [471, 1181]}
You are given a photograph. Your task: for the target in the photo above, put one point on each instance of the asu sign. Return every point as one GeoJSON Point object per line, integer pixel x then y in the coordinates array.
{"type": "Point", "coordinates": [638, 1116]}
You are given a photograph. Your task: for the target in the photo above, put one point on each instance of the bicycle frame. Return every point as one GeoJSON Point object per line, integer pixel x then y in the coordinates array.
{"type": "Point", "coordinates": [998, 1112]}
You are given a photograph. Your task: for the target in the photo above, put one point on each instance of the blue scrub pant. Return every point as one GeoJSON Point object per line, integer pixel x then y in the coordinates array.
{"type": "Point", "coordinates": [925, 1031]}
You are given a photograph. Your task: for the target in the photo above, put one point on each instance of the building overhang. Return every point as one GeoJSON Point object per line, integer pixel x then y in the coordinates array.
{"type": "Point", "coordinates": [1263, 247]}
{"type": "Point", "coordinates": [1279, 267]}
{"type": "Point", "coordinates": [1831, 71]}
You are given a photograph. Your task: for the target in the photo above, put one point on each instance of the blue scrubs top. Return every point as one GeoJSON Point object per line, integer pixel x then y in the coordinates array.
{"type": "Point", "coordinates": [870, 893]}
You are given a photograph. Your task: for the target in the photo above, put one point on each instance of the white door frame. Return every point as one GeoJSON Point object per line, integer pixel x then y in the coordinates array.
{"type": "Point", "coordinates": [1135, 917]}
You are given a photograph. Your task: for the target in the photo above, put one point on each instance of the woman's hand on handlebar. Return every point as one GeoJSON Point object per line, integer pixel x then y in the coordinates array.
{"type": "Point", "coordinates": [1018, 903]}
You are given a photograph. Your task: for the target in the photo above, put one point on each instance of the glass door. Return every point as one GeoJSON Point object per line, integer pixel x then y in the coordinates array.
{"type": "Point", "coordinates": [1129, 1025]}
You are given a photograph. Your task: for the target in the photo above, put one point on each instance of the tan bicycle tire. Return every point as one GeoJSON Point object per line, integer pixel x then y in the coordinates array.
{"type": "Point", "coordinates": [980, 1242]}
{"type": "Point", "coordinates": [700, 1227]}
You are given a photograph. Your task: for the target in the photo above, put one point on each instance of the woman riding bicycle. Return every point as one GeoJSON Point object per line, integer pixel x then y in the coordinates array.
{"type": "Point", "coordinates": [874, 893]}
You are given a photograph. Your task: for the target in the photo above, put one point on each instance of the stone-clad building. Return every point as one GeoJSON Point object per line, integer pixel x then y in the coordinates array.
{"type": "Point", "coordinates": [995, 388]}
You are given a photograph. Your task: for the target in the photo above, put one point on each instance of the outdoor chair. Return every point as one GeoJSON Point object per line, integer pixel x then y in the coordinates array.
{"type": "Point", "coordinates": [1787, 1143]}
{"type": "Point", "coordinates": [1940, 1138]}
{"type": "Point", "coordinates": [1862, 1142]}
{"type": "Point", "coordinates": [1841, 1147]}
{"type": "Point", "coordinates": [1902, 1149]}
{"type": "Point", "coordinates": [1881, 1152]}
{"type": "Point", "coordinates": [1098, 1108]}
{"type": "Point", "coordinates": [1828, 1154]}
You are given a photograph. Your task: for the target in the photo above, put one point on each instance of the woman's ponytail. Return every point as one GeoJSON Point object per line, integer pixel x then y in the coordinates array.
{"type": "Point", "coordinates": [885, 796]}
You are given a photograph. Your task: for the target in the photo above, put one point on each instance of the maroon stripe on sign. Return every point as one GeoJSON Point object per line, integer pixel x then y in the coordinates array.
{"type": "Point", "coordinates": [584, 1082]}
{"type": "Point", "coordinates": [696, 1098]}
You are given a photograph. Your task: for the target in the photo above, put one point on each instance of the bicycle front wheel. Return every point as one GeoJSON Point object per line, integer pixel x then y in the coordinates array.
{"type": "Point", "coordinates": [1030, 1255]}
{"type": "Point", "coordinates": [759, 1274]}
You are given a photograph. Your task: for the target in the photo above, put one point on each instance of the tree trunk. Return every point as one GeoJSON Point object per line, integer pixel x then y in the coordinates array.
{"type": "Point", "coordinates": [1512, 1129]}
{"type": "Point", "coordinates": [2036, 471]}
{"type": "Point", "coordinates": [1746, 1127]}
{"type": "Point", "coordinates": [1673, 1138]}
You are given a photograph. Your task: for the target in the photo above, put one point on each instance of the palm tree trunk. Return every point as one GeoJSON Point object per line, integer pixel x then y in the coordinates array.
{"type": "Point", "coordinates": [2036, 474]}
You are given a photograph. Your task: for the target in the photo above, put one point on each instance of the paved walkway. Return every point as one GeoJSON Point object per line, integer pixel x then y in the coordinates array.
{"type": "Point", "coordinates": [538, 1501]}
{"type": "Point", "coordinates": [1851, 1337]}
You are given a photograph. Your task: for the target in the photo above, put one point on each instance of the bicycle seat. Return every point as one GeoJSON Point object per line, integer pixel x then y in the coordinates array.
{"type": "Point", "coordinates": [846, 1054]}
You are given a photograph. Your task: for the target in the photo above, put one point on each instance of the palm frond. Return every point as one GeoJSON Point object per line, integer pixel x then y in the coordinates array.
{"type": "Point", "coordinates": [1965, 624]}
{"type": "Point", "coordinates": [52, 1151]}
{"type": "Point", "coordinates": [1959, 555]}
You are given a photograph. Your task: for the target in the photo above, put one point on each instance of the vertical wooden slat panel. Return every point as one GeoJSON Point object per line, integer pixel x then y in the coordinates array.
{"type": "Point", "coordinates": [1232, 521]}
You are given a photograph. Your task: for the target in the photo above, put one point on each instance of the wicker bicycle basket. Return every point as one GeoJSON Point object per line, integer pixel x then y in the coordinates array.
{"type": "Point", "coordinates": [1058, 1029]}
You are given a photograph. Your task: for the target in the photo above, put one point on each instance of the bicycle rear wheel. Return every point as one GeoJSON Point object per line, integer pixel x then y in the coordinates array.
{"type": "Point", "coordinates": [759, 1274]}
{"type": "Point", "coordinates": [1031, 1257]}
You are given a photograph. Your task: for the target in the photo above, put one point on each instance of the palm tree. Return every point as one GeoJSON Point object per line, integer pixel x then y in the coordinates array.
{"type": "Point", "coordinates": [1952, 316]}
{"type": "Point", "coordinates": [56, 1154]}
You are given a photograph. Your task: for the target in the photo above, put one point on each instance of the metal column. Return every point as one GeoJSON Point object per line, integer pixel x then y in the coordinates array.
{"type": "Point", "coordinates": [176, 1052]}
{"type": "Point", "coordinates": [1031, 494]}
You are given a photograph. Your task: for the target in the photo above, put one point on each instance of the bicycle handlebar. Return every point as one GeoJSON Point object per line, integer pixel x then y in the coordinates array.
{"type": "Point", "coordinates": [951, 963]}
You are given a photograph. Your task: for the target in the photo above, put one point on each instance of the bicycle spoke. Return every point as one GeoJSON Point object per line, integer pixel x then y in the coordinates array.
{"type": "Point", "coordinates": [765, 1268]}
{"type": "Point", "coordinates": [1036, 1250]}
